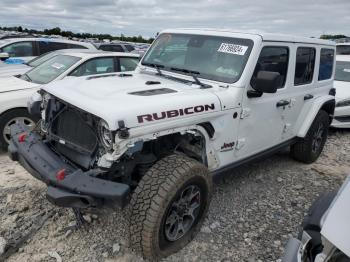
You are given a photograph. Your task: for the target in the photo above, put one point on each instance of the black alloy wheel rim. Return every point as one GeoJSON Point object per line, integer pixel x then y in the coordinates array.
{"type": "Point", "coordinates": [318, 138]}
{"type": "Point", "coordinates": [183, 213]}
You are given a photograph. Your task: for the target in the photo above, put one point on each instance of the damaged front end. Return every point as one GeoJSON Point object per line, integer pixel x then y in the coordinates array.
{"type": "Point", "coordinates": [64, 154]}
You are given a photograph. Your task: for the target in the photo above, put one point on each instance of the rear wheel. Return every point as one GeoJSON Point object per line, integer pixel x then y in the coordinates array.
{"type": "Point", "coordinates": [168, 206]}
{"type": "Point", "coordinates": [12, 117]}
{"type": "Point", "coordinates": [309, 149]}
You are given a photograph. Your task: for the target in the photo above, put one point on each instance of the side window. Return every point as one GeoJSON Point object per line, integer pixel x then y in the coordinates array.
{"type": "Point", "coordinates": [19, 49]}
{"type": "Point", "coordinates": [326, 64]}
{"type": "Point", "coordinates": [273, 59]}
{"type": "Point", "coordinates": [128, 63]}
{"type": "Point", "coordinates": [48, 46]}
{"type": "Point", "coordinates": [74, 46]}
{"type": "Point", "coordinates": [105, 48]}
{"type": "Point", "coordinates": [117, 48]}
{"type": "Point", "coordinates": [130, 48]}
{"type": "Point", "coordinates": [304, 65]}
{"type": "Point", "coordinates": [95, 66]}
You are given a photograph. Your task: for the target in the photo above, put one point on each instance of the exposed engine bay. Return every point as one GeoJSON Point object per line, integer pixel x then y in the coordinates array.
{"type": "Point", "coordinates": [82, 139]}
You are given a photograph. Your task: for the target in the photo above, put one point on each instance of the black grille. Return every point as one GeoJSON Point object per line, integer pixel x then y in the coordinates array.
{"type": "Point", "coordinates": [70, 127]}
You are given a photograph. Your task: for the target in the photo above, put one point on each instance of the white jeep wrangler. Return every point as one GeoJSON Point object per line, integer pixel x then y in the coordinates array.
{"type": "Point", "coordinates": [200, 102]}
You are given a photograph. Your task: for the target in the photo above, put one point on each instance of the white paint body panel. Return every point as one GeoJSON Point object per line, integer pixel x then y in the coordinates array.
{"type": "Point", "coordinates": [343, 93]}
{"type": "Point", "coordinates": [336, 226]}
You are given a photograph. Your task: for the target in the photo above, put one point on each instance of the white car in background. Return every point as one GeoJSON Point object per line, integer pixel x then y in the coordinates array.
{"type": "Point", "coordinates": [15, 91]}
{"type": "Point", "coordinates": [21, 50]}
{"type": "Point", "coordinates": [7, 70]}
{"type": "Point", "coordinates": [342, 85]}
{"type": "Point", "coordinates": [343, 49]}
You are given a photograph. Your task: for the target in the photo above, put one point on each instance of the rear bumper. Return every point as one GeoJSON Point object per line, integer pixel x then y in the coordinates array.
{"type": "Point", "coordinates": [77, 189]}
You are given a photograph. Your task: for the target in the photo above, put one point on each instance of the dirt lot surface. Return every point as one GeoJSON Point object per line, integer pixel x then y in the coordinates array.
{"type": "Point", "coordinates": [253, 213]}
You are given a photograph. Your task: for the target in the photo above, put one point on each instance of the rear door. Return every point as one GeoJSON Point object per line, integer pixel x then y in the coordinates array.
{"type": "Point", "coordinates": [312, 75]}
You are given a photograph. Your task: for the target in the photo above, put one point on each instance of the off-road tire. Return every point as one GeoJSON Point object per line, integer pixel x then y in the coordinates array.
{"type": "Point", "coordinates": [8, 116]}
{"type": "Point", "coordinates": [158, 189]}
{"type": "Point", "coordinates": [303, 150]}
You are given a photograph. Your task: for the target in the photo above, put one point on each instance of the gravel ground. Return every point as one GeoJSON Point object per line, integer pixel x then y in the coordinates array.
{"type": "Point", "coordinates": [254, 212]}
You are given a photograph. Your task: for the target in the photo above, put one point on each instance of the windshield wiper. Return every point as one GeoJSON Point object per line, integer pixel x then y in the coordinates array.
{"type": "Point", "coordinates": [156, 66]}
{"type": "Point", "coordinates": [193, 74]}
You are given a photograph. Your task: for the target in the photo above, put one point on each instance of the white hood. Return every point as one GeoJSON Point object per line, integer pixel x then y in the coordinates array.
{"type": "Point", "coordinates": [109, 97]}
{"type": "Point", "coordinates": [342, 90]}
{"type": "Point", "coordinates": [8, 84]}
{"type": "Point", "coordinates": [12, 70]}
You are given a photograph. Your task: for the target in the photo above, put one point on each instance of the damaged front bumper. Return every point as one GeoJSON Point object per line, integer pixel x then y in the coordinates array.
{"type": "Point", "coordinates": [77, 188]}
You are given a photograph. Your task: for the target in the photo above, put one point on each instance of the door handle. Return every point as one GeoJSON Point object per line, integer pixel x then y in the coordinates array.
{"type": "Point", "coordinates": [282, 103]}
{"type": "Point", "coordinates": [308, 96]}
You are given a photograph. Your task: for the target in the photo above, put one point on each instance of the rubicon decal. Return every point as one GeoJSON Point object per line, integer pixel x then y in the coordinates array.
{"type": "Point", "coordinates": [175, 113]}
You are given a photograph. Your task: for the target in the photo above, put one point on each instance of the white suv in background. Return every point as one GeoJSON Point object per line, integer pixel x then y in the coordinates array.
{"type": "Point", "coordinates": [342, 85]}
{"type": "Point", "coordinates": [21, 50]}
{"type": "Point", "coordinates": [16, 90]}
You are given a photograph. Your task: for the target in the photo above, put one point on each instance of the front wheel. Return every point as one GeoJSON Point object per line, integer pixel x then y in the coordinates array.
{"type": "Point", "coordinates": [12, 117]}
{"type": "Point", "coordinates": [168, 206]}
{"type": "Point", "coordinates": [309, 149]}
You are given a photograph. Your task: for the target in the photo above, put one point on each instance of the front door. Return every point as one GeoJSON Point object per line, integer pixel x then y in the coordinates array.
{"type": "Point", "coordinates": [262, 119]}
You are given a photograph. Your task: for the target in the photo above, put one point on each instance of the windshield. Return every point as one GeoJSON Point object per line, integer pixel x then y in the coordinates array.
{"type": "Point", "coordinates": [210, 57]}
{"type": "Point", "coordinates": [51, 69]}
{"type": "Point", "coordinates": [342, 71]}
{"type": "Point", "coordinates": [343, 49]}
{"type": "Point", "coordinates": [41, 59]}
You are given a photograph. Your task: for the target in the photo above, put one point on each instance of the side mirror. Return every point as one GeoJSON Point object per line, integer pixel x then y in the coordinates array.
{"type": "Point", "coordinates": [267, 82]}
{"type": "Point", "coordinates": [4, 56]}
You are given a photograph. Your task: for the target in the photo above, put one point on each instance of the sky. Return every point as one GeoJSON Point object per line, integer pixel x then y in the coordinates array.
{"type": "Point", "coordinates": [147, 17]}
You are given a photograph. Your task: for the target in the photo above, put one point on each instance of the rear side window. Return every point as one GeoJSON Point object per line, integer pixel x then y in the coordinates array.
{"type": "Point", "coordinates": [19, 49]}
{"type": "Point", "coordinates": [273, 59]}
{"type": "Point", "coordinates": [95, 66]}
{"type": "Point", "coordinates": [305, 64]}
{"type": "Point", "coordinates": [128, 63]}
{"type": "Point", "coordinates": [343, 49]}
{"type": "Point", "coordinates": [74, 46]}
{"type": "Point", "coordinates": [326, 64]}
{"type": "Point", "coordinates": [48, 46]}
{"type": "Point", "coordinates": [129, 48]}
{"type": "Point", "coordinates": [111, 48]}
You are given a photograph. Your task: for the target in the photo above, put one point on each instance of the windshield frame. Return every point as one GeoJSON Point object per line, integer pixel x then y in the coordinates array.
{"type": "Point", "coordinates": [234, 40]}
{"type": "Point", "coordinates": [336, 69]}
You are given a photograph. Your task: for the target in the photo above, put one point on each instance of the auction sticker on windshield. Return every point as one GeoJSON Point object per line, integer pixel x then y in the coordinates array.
{"type": "Point", "coordinates": [57, 66]}
{"type": "Point", "coordinates": [232, 49]}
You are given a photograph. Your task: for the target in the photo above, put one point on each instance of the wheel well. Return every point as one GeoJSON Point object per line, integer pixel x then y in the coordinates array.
{"type": "Point", "coordinates": [12, 109]}
{"type": "Point", "coordinates": [191, 144]}
{"type": "Point", "coordinates": [329, 107]}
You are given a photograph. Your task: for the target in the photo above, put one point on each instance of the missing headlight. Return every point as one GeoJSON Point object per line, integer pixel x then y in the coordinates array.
{"type": "Point", "coordinates": [105, 134]}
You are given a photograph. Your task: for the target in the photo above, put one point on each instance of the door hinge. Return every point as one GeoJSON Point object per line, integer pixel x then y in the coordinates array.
{"type": "Point", "coordinates": [245, 112]}
{"type": "Point", "coordinates": [240, 143]}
